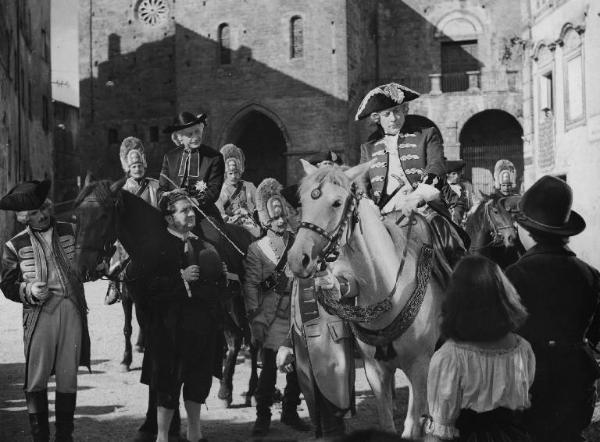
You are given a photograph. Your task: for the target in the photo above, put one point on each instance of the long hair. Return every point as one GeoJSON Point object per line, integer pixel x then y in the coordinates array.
{"type": "Point", "coordinates": [481, 304]}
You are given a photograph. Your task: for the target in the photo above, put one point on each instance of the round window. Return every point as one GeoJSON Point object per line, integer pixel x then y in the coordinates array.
{"type": "Point", "coordinates": [152, 12]}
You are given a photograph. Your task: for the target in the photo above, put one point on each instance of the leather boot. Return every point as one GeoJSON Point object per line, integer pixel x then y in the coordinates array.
{"type": "Point", "coordinates": [290, 418]}
{"type": "Point", "coordinates": [262, 423]}
{"type": "Point", "coordinates": [65, 409]}
{"type": "Point", "coordinates": [37, 406]}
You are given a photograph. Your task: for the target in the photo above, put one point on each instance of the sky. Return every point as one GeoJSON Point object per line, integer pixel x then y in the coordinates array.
{"type": "Point", "coordinates": [64, 42]}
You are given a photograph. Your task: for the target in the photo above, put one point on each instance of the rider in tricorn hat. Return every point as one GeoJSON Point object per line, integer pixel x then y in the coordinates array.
{"type": "Point", "coordinates": [562, 295]}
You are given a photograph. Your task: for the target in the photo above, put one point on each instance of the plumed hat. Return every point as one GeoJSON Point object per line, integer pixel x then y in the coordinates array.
{"type": "Point", "coordinates": [454, 165]}
{"type": "Point", "coordinates": [132, 152]}
{"type": "Point", "coordinates": [326, 155]}
{"type": "Point", "coordinates": [232, 152]}
{"type": "Point", "coordinates": [384, 97]}
{"type": "Point", "coordinates": [270, 203]}
{"type": "Point", "coordinates": [183, 120]}
{"type": "Point", "coordinates": [29, 195]}
{"type": "Point", "coordinates": [505, 173]}
{"type": "Point", "coordinates": [546, 208]}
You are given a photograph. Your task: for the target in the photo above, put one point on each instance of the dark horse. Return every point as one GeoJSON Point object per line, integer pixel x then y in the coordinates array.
{"type": "Point", "coordinates": [493, 233]}
{"type": "Point", "coordinates": [105, 212]}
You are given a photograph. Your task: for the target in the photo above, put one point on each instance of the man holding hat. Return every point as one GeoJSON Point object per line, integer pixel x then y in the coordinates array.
{"type": "Point", "coordinates": [267, 287]}
{"type": "Point", "coordinates": [38, 270]}
{"type": "Point", "coordinates": [561, 294]}
{"type": "Point", "coordinates": [185, 334]}
{"type": "Point", "coordinates": [408, 166]}
{"type": "Point", "coordinates": [195, 167]}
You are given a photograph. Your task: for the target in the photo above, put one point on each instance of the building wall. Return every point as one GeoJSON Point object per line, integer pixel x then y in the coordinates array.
{"type": "Point", "coordinates": [559, 146]}
{"type": "Point", "coordinates": [68, 173]}
{"type": "Point", "coordinates": [127, 83]}
{"type": "Point", "coordinates": [25, 117]}
{"type": "Point", "coordinates": [306, 96]}
{"type": "Point", "coordinates": [410, 36]}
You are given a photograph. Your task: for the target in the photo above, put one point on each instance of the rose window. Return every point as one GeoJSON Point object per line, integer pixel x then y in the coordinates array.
{"type": "Point", "coordinates": [152, 12]}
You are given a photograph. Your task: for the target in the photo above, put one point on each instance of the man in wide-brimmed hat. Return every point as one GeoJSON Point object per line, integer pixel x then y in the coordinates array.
{"type": "Point", "coordinates": [561, 294]}
{"type": "Point", "coordinates": [38, 270]}
{"type": "Point", "coordinates": [408, 167]}
{"type": "Point", "coordinates": [195, 167]}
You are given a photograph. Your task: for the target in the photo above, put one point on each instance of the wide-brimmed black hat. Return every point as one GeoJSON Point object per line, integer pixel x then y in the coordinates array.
{"type": "Point", "coordinates": [454, 165]}
{"type": "Point", "coordinates": [184, 120]}
{"type": "Point", "coordinates": [29, 195]}
{"type": "Point", "coordinates": [384, 97]}
{"type": "Point", "coordinates": [546, 207]}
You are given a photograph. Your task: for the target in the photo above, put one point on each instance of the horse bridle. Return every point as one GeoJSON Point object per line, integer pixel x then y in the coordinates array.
{"type": "Point", "coordinates": [496, 232]}
{"type": "Point", "coordinates": [349, 217]}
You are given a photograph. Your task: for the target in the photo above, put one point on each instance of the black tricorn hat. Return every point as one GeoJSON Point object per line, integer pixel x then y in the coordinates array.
{"type": "Point", "coordinates": [184, 120]}
{"type": "Point", "coordinates": [546, 208]}
{"type": "Point", "coordinates": [29, 195]}
{"type": "Point", "coordinates": [454, 165]}
{"type": "Point", "coordinates": [325, 155]}
{"type": "Point", "coordinates": [384, 97]}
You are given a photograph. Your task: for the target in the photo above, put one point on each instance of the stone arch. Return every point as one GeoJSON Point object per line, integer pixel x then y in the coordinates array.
{"type": "Point", "coordinates": [542, 51]}
{"type": "Point", "coordinates": [459, 25]}
{"type": "Point", "coordinates": [580, 29]}
{"type": "Point", "coordinates": [487, 137]}
{"type": "Point", "coordinates": [260, 133]}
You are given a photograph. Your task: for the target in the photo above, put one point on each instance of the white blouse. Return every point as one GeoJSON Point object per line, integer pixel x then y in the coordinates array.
{"type": "Point", "coordinates": [465, 376]}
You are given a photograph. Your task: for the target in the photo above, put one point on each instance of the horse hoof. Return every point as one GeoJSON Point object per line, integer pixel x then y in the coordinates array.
{"type": "Point", "coordinates": [139, 348]}
{"type": "Point", "coordinates": [123, 368]}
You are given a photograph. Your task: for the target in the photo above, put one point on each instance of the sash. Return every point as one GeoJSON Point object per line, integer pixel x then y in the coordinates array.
{"type": "Point", "coordinates": [143, 187]}
{"type": "Point", "coordinates": [235, 193]}
{"type": "Point", "coordinates": [273, 279]}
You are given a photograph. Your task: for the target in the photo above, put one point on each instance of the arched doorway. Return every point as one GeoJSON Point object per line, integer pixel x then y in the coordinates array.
{"type": "Point", "coordinates": [485, 138]}
{"type": "Point", "coordinates": [263, 143]}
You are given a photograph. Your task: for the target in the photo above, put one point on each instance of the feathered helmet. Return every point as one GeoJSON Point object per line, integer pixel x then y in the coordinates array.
{"type": "Point", "coordinates": [132, 152]}
{"type": "Point", "coordinates": [505, 173]}
{"type": "Point", "coordinates": [233, 157]}
{"type": "Point", "coordinates": [384, 97]}
{"type": "Point", "coordinates": [270, 204]}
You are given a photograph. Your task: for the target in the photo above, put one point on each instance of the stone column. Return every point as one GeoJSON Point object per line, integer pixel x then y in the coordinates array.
{"type": "Point", "coordinates": [473, 81]}
{"type": "Point", "coordinates": [436, 84]}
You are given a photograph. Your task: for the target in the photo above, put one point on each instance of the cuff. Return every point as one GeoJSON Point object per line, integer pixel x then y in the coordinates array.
{"type": "Point", "coordinates": [427, 192]}
{"type": "Point", "coordinates": [441, 431]}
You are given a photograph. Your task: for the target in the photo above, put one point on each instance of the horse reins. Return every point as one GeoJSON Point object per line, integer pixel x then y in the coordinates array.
{"type": "Point", "coordinates": [496, 232]}
{"type": "Point", "coordinates": [331, 251]}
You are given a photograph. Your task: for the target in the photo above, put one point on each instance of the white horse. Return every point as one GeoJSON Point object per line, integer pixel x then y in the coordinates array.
{"type": "Point", "coordinates": [391, 270]}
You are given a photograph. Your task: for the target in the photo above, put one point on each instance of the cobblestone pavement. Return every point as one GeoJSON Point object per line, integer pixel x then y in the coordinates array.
{"type": "Point", "coordinates": [111, 405]}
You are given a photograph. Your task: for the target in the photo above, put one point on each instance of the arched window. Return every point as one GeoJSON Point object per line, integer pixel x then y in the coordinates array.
{"type": "Point", "coordinates": [296, 38]}
{"type": "Point", "coordinates": [224, 44]}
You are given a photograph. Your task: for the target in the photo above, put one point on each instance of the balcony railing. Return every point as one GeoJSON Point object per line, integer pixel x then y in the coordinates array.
{"type": "Point", "coordinates": [474, 82]}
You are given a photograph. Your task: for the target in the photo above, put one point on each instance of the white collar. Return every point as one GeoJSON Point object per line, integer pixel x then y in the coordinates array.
{"type": "Point", "coordinates": [181, 236]}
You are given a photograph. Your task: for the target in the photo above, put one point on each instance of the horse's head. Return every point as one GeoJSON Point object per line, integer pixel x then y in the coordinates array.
{"type": "Point", "coordinates": [95, 210]}
{"type": "Point", "coordinates": [502, 227]}
{"type": "Point", "coordinates": [328, 206]}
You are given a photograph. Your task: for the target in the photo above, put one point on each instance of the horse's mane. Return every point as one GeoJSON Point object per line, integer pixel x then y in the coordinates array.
{"type": "Point", "coordinates": [334, 175]}
{"type": "Point", "coordinates": [100, 189]}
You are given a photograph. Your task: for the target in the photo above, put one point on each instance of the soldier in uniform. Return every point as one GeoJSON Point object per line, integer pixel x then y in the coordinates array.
{"type": "Point", "coordinates": [195, 167]}
{"type": "Point", "coordinates": [267, 287]}
{"type": "Point", "coordinates": [505, 179]}
{"type": "Point", "coordinates": [38, 271]}
{"type": "Point", "coordinates": [409, 166]}
{"type": "Point", "coordinates": [236, 201]}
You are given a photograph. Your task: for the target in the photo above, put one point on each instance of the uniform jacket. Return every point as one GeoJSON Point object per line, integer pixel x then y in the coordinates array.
{"type": "Point", "coordinates": [176, 320]}
{"type": "Point", "coordinates": [561, 294]}
{"type": "Point", "coordinates": [205, 177]}
{"type": "Point", "coordinates": [458, 205]}
{"type": "Point", "coordinates": [244, 199]}
{"type": "Point", "coordinates": [420, 151]}
{"type": "Point", "coordinates": [23, 262]}
{"type": "Point", "coordinates": [266, 306]}
{"type": "Point", "coordinates": [148, 187]}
